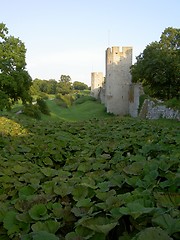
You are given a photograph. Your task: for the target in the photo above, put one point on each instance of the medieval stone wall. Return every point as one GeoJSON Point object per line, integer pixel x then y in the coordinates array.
{"type": "Point", "coordinates": [152, 110]}
{"type": "Point", "coordinates": [134, 93]}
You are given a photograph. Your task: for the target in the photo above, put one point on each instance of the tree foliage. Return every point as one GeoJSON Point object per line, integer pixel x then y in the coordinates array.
{"type": "Point", "coordinates": [65, 78]}
{"type": "Point", "coordinates": [158, 67]}
{"type": "Point", "coordinates": [64, 86]}
{"type": "Point", "coordinates": [43, 107]}
{"type": "Point", "coordinates": [79, 86]}
{"type": "Point", "coordinates": [51, 86]}
{"type": "Point", "coordinates": [15, 81]}
{"type": "Point", "coordinates": [44, 86]}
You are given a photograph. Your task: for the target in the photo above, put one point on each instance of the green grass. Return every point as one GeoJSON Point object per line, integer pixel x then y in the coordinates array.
{"type": "Point", "coordinates": [78, 112]}
{"type": "Point", "coordinates": [86, 110]}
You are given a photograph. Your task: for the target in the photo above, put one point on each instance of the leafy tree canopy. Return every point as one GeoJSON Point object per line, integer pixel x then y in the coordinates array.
{"type": "Point", "coordinates": [45, 86]}
{"type": "Point", "coordinates": [64, 86]}
{"type": "Point", "coordinates": [79, 86]}
{"type": "Point", "coordinates": [15, 81]}
{"type": "Point", "coordinates": [65, 78]}
{"type": "Point", "coordinates": [158, 67]}
{"type": "Point", "coordinates": [51, 86]}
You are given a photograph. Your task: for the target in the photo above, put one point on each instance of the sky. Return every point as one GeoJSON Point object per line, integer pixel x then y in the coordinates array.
{"type": "Point", "coordinates": [70, 37]}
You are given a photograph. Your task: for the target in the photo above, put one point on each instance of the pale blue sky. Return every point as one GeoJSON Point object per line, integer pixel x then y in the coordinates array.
{"type": "Point", "coordinates": [70, 36]}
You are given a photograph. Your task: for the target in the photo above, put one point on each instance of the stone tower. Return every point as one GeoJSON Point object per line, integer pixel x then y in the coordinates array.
{"type": "Point", "coordinates": [118, 79]}
{"type": "Point", "coordinates": [97, 80]}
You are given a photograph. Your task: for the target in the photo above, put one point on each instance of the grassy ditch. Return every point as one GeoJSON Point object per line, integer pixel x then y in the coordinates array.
{"type": "Point", "coordinates": [77, 112]}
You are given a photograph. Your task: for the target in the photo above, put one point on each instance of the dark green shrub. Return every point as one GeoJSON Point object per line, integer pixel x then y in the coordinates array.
{"type": "Point", "coordinates": [61, 103]}
{"type": "Point", "coordinates": [43, 106]}
{"type": "Point", "coordinates": [173, 103]}
{"type": "Point", "coordinates": [83, 99]}
{"type": "Point", "coordinates": [64, 100]}
{"type": "Point", "coordinates": [44, 96]}
{"type": "Point", "coordinates": [32, 111]}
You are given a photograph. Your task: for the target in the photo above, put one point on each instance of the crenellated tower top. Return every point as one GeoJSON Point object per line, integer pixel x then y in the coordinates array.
{"type": "Point", "coordinates": [116, 54]}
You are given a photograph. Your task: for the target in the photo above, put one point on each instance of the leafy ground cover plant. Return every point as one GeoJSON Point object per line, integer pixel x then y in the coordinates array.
{"type": "Point", "coordinates": [101, 179]}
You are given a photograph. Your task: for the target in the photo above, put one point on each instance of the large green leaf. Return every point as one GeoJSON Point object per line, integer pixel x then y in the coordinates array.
{"type": "Point", "coordinates": [152, 234]}
{"type": "Point", "coordinates": [26, 191]}
{"type": "Point", "coordinates": [10, 222]}
{"type": "Point", "coordinates": [57, 210]}
{"type": "Point", "coordinates": [80, 211]}
{"type": "Point", "coordinates": [100, 224]}
{"type": "Point", "coordinates": [38, 212]}
{"type": "Point", "coordinates": [167, 199]}
{"type": "Point", "coordinates": [48, 187]}
{"type": "Point", "coordinates": [88, 182]}
{"type": "Point", "coordinates": [135, 168]}
{"type": "Point", "coordinates": [104, 195]}
{"type": "Point", "coordinates": [49, 172]}
{"type": "Point", "coordinates": [84, 167]}
{"type": "Point", "coordinates": [104, 186]}
{"type": "Point", "coordinates": [84, 232]}
{"type": "Point", "coordinates": [135, 209]}
{"type": "Point", "coordinates": [79, 192]}
{"type": "Point", "coordinates": [86, 202]}
{"type": "Point", "coordinates": [41, 235]}
{"type": "Point", "coordinates": [47, 161]}
{"type": "Point", "coordinates": [165, 221]}
{"type": "Point", "coordinates": [19, 169]}
{"type": "Point", "coordinates": [116, 180]}
{"type": "Point", "coordinates": [23, 217]}
{"type": "Point", "coordinates": [63, 189]}
{"type": "Point", "coordinates": [49, 226]}
{"type": "Point", "coordinates": [73, 236]}
{"type": "Point", "coordinates": [3, 210]}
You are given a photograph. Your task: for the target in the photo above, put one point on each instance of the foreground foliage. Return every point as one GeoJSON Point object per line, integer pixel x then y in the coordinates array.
{"type": "Point", "coordinates": [99, 179]}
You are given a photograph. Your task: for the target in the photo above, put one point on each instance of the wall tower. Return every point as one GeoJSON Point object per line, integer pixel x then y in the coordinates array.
{"type": "Point", "coordinates": [97, 80]}
{"type": "Point", "coordinates": [118, 79]}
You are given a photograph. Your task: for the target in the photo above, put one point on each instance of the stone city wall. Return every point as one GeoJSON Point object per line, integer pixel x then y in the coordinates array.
{"type": "Point", "coordinates": [152, 110]}
{"type": "Point", "coordinates": [117, 92]}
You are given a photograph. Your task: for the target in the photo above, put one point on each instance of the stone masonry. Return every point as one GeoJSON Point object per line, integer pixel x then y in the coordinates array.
{"type": "Point", "coordinates": [117, 92]}
{"type": "Point", "coordinates": [97, 81]}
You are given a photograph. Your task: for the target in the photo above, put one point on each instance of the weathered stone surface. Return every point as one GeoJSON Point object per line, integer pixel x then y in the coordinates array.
{"type": "Point", "coordinates": [97, 81]}
{"type": "Point", "coordinates": [152, 110]}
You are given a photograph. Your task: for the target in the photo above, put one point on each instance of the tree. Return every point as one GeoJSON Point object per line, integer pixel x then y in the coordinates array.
{"type": "Point", "coordinates": [158, 67]}
{"type": "Point", "coordinates": [52, 84]}
{"type": "Point", "coordinates": [65, 78]}
{"type": "Point", "coordinates": [15, 81]}
{"type": "Point", "coordinates": [36, 86]}
{"type": "Point", "coordinates": [79, 86]}
{"type": "Point", "coordinates": [64, 86]}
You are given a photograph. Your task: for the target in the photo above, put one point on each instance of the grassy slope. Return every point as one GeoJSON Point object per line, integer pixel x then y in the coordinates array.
{"type": "Point", "coordinates": [84, 111]}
